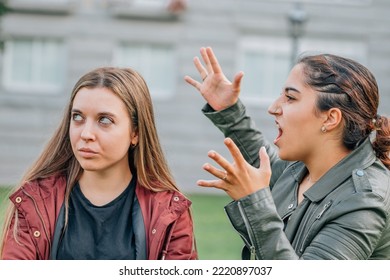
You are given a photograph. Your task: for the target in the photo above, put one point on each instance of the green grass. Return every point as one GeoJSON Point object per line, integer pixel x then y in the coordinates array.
{"type": "Point", "coordinates": [215, 237]}
{"type": "Point", "coordinates": [4, 193]}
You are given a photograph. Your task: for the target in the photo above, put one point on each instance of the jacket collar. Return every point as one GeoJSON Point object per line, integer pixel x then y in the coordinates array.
{"type": "Point", "coordinates": [360, 158]}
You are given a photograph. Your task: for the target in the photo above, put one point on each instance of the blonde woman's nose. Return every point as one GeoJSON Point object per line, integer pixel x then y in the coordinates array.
{"type": "Point", "coordinates": [87, 132]}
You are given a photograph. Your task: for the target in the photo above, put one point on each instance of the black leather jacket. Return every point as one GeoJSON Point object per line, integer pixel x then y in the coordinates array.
{"type": "Point", "coordinates": [345, 215]}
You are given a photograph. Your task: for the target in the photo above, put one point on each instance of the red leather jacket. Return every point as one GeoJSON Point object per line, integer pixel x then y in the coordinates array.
{"type": "Point", "coordinates": [168, 223]}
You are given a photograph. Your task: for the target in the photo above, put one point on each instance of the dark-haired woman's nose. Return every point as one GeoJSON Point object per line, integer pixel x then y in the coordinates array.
{"type": "Point", "coordinates": [274, 108]}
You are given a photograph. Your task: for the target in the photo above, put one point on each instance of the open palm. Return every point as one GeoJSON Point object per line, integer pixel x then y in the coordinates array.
{"type": "Point", "coordinates": [219, 92]}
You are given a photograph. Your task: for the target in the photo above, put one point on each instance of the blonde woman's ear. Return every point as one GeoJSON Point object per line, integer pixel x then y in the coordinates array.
{"type": "Point", "coordinates": [133, 143]}
{"type": "Point", "coordinates": [134, 138]}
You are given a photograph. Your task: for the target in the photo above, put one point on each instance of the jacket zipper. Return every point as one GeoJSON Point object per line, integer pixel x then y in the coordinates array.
{"type": "Point", "coordinates": [167, 239]}
{"type": "Point", "coordinates": [40, 217]}
{"type": "Point", "coordinates": [250, 244]}
{"type": "Point", "coordinates": [326, 206]}
{"type": "Point", "coordinates": [324, 209]}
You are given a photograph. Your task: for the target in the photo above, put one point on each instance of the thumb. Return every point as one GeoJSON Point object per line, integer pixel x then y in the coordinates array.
{"type": "Point", "coordinates": [237, 81]}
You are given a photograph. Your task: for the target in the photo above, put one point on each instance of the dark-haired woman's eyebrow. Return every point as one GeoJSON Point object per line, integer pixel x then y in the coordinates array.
{"type": "Point", "coordinates": [287, 89]}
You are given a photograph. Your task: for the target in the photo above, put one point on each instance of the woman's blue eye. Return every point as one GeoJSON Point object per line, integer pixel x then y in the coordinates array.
{"type": "Point", "coordinates": [77, 117]}
{"type": "Point", "coordinates": [105, 120]}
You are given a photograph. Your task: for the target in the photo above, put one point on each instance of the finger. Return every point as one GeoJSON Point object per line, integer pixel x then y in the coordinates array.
{"type": "Point", "coordinates": [215, 67]}
{"type": "Point", "coordinates": [192, 82]}
{"type": "Point", "coordinates": [206, 60]}
{"type": "Point", "coordinates": [218, 173]}
{"type": "Point", "coordinates": [221, 161]}
{"type": "Point", "coordinates": [218, 184]}
{"type": "Point", "coordinates": [235, 152]}
{"type": "Point", "coordinates": [206, 183]}
{"type": "Point", "coordinates": [202, 71]}
{"type": "Point", "coordinates": [265, 164]}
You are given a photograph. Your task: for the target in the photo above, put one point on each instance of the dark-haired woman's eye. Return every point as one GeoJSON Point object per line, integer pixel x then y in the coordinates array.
{"type": "Point", "coordinates": [289, 97]}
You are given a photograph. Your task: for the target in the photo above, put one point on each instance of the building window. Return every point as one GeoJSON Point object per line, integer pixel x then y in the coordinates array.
{"type": "Point", "coordinates": [353, 49]}
{"type": "Point", "coordinates": [34, 65]}
{"type": "Point", "coordinates": [151, 3]}
{"type": "Point", "coordinates": [156, 63]}
{"type": "Point", "coordinates": [148, 9]}
{"type": "Point", "coordinates": [41, 6]}
{"type": "Point", "coordinates": [266, 62]}
{"type": "Point", "coordinates": [162, 4]}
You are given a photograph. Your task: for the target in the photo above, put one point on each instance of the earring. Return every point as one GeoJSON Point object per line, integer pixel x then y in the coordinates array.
{"type": "Point", "coordinates": [323, 128]}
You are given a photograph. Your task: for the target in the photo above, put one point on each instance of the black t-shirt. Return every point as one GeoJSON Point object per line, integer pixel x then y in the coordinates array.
{"type": "Point", "coordinates": [99, 232]}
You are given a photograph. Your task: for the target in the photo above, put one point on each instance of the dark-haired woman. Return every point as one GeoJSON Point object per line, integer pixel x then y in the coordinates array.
{"type": "Point", "coordinates": [324, 192]}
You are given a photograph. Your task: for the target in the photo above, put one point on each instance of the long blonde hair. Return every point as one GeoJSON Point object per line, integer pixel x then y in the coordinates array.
{"type": "Point", "coordinates": [146, 159]}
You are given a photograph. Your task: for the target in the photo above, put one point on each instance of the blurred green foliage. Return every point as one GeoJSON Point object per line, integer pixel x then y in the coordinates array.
{"type": "Point", "coordinates": [3, 8]}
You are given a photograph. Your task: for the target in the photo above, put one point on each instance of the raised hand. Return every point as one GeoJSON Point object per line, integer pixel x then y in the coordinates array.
{"type": "Point", "coordinates": [237, 179]}
{"type": "Point", "coordinates": [215, 88]}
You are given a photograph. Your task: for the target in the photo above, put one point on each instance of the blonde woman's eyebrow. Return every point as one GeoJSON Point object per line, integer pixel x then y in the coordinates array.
{"type": "Point", "coordinates": [107, 114]}
{"type": "Point", "coordinates": [99, 114]}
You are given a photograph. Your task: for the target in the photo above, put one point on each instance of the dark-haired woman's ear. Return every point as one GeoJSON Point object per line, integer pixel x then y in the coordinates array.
{"type": "Point", "coordinates": [333, 119]}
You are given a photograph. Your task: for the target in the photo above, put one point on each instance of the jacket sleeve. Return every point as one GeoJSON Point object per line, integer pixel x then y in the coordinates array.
{"type": "Point", "coordinates": [339, 234]}
{"type": "Point", "coordinates": [256, 220]}
{"type": "Point", "coordinates": [21, 248]}
{"type": "Point", "coordinates": [233, 122]}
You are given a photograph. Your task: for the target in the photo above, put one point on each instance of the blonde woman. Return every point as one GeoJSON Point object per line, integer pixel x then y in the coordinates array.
{"type": "Point", "coordinates": [101, 189]}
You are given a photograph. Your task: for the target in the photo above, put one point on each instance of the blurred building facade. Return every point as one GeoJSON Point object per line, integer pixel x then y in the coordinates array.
{"type": "Point", "coordinates": [49, 44]}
